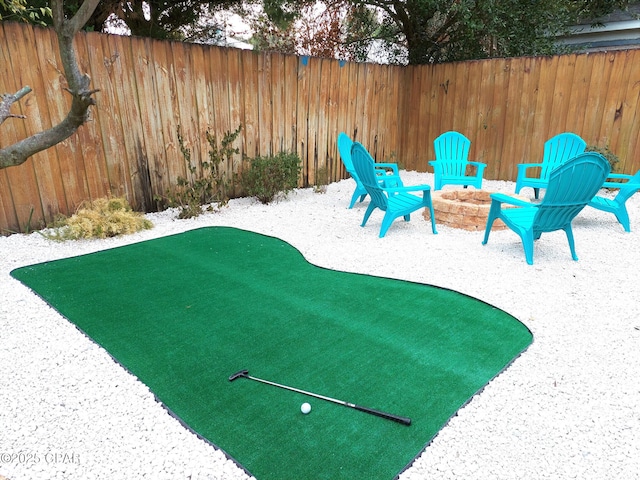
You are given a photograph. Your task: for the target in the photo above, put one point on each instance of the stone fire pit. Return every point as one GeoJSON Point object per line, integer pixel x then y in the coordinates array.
{"type": "Point", "coordinates": [467, 209]}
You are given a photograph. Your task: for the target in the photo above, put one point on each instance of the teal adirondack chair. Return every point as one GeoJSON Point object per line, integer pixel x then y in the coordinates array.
{"type": "Point", "coordinates": [571, 187]}
{"type": "Point", "coordinates": [557, 150]}
{"type": "Point", "coordinates": [452, 160]}
{"type": "Point", "coordinates": [394, 201]}
{"type": "Point", "coordinates": [391, 178]}
{"type": "Point", "coordinates": [618, 205]}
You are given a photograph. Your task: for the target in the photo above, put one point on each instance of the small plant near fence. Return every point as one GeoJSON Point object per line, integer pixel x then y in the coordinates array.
{"type": "Point", "coordinates": [322, 180]}
{"type": "Point", "coordinates": [207, 185]}
{"type": "Point", "coordinates": [101, 218]}
{"type": "Point", "coordinates": [270, 176]}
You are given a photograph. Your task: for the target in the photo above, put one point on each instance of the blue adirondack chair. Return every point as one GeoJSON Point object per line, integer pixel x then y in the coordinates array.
{"type": "Point", "coordinates": [394, 201]}
{"type": "Point", "coordinates": [557, 150]}
{"type": "Point", "coordinates": [571, 186]}
{"type": "Point", "coordinates": [452, 160]}
{"type": "Point", "coordinates": [618, 205]}
{"type": "Point", "coordinates": [386, 172]}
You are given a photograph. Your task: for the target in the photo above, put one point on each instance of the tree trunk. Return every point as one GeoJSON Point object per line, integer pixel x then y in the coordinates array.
{"type": "Point", "coordinates": [78, 87]}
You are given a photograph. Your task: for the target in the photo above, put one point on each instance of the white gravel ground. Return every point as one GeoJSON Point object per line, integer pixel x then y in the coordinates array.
{"type": "Point", "coordinates": [569, 407]}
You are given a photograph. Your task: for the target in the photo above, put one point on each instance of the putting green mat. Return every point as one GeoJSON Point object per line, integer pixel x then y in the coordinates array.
{"type": "Point", "coordinates": [184, 312]}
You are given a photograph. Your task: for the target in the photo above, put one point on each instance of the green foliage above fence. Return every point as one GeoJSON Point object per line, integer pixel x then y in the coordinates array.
{"type": "Point", "coordinates": [130, 148]}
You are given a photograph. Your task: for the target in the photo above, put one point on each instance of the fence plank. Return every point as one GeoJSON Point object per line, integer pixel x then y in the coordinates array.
{"type": "Point", "coordinates": [544, 104]}
{"type": "Point", "coordinates": [594, 100]}
{"type": "Point", "coordinates": [290, 101]}
{"type": "Point", "coordinates": [612, 108]}
{"type": "Point", "coordinates": [115, 122]}
{"type": "Point", "coordinates": [236, 114]}
{"type": "Point", "coordinates": [627, 143]}
{"type": "Point", "coordinates": [251, 121]}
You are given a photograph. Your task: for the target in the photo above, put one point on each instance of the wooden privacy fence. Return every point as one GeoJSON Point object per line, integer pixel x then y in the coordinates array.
{"type": "Point", "coordinates": [149, 89]}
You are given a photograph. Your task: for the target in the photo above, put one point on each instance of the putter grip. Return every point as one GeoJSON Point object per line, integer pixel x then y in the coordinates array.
{"type": "Point", "coordinates": [389, 416]}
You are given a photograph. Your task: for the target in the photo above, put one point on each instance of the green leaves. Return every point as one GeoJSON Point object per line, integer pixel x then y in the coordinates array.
{"type": "Point", "coordinates": [206, 182]}
{"type": "Point", "coordinates": [271, 175]}
{"type": "Point", "coordinates": [22, 11]}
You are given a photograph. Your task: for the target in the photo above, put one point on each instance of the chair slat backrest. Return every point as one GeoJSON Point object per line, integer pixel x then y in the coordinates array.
{"type": "Point", "coordinates": [571, 186]}
{"type": "Point", "coordinates": [559, 149]}
{"type": "Point", "coordinates": [364, 166]}
{"type": "Point", "coordinates": [452, 148]}
{"type": "Point", "coordinates": [344, 148]}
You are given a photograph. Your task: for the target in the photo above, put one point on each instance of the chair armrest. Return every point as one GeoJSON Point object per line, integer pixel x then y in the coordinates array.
{"type": "Point", "coordinates": [616, 176]}
{"type": "Point", "coordinates": [525, 166]}
{"type": "Point", "coordinates": [388, 166]}
{"type": "Point", "coordinates": [478, 164]}
{"type": "Point", "coordinates": [502, 198]}
{"type": "Point", "coordinates": [412, 188]}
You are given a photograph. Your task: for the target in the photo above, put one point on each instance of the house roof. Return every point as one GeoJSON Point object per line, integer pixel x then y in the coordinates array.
{"type": "Point", "coordinates": [616, 31]}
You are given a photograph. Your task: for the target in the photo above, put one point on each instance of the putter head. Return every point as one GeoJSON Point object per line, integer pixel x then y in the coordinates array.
{"type": "Point", "coordinates": [241, 373]}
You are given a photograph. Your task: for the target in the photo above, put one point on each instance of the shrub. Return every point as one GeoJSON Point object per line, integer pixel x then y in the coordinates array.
{"type": "Point", "coordinates": [611, 157]}
{"type": "Point", "coordinates": [322, 180]}
{"type": "Point", "coordinates": [210, 184]}
{"type": "Point", "coordinates": [271, 175]}
{"type": "Point", "coordinates": [102, 218]}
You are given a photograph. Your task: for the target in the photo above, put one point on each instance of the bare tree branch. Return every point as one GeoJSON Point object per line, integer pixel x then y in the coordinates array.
{"type": "Point", "coordinates": [78, 87]}
{"type": "Point", "coordinates": [8, 100]}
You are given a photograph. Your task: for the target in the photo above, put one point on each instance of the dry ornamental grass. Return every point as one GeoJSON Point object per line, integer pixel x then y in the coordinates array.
{"type": "Point", "coordinates": [102, 218]}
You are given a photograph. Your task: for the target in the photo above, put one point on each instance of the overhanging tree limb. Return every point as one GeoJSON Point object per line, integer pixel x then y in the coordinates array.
{"type": "Point", "coordinates": [78, 87]}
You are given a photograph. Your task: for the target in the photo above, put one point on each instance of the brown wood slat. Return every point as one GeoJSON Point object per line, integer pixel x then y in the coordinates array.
{"type": "Point", "coordinates": [8, 84]}
{"type": "Point", "coordinates": [251, 121]}
{"type": "Point", "coordinates": [544, 102]}
{"type": "Point", "coordinates": [514, 135]}
{"type": "Point", "coordinates": [152, 103]}
{"type": "Point", "coordinates": [302, 111]}
{"type": "Point", "coordinates": [501, 72]}
{"type": "Point", "coordinates": [613, 103]}
{"type": "Point", "coordinates": [594, 100]}
{"type": "Point", "coordinates": [325, 112]}
{"type": "Point", "coordinates": [276, 103]}
{"type": "Point", "coordinates": [314, 78]}
{"type": "Point", "coordinates": [627, 143]}
{"type": "Point", "coordinates": [114, 115]}
{"type": "Point", "coordinates": [290, 100]}
{"type": "Point", "coordinates": [23, 179]}
{"type": "Point", "coordinates": [388, 113]}
{"type": "Point", "coordinates": [353, 87]}
{"type": "Point", "coordinates": [482, 110]}
{"type": "Point", "coordinates": [163, 72]}
{"type": "Point", "coordinates": [265, 116]}
{"type": "Point", "coordinates": [12, 129]}
{"type": "Point", "coordinates": [236, 111]}
{"type": "Point", "coordinates": [344, 101]}
{"type": "Point", "coordinates": [561, 93]}
{"type": "Point", "coordinates": [89, 137]}
{"type": "Point", "coordinates": [235, 89]}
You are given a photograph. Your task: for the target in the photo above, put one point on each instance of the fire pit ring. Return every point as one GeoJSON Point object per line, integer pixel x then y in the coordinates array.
{"type": "Point", "coordinates": [467, 209]}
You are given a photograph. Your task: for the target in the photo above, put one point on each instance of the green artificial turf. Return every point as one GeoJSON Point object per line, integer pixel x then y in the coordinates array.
{"type": "Point", "coordinates": [184, 312]}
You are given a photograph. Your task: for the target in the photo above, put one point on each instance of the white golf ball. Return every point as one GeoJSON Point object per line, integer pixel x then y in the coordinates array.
{"type": "Point", "coordinates": [305, 408]}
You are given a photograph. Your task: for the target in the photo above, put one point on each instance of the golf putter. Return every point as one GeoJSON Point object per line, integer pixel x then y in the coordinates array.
{"type": "Point", "coordinates": [389, 416]}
